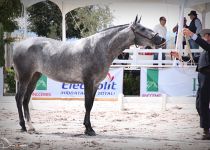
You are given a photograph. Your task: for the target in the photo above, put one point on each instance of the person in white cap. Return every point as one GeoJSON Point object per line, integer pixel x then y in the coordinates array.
{"type": "Point", "coordinates": [195, 27]}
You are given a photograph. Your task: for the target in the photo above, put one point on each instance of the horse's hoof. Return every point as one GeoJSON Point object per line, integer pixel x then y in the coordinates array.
{"type": "Point", "coordinates": [23, 129]}
{"type": "Point", "coordinates": [90, 132]}
{"type": "Point", "coordinates": [31, 131]}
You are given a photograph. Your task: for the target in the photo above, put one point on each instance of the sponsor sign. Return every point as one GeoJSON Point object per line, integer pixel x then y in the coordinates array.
{"type": "Point", "coordinates": [169, 81]}
{"type": "Point", "coordinates": [152, 80]}
{"type": "Point", "coordinates": [42, 83]}
{"type": "Point", "coordinates": [110, 87]}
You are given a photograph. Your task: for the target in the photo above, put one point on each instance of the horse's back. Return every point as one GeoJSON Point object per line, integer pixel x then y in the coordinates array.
{"type": "Point", "coordinates": [29, 54]}
{"type": "Point", "coordinates": [46, 55]}
{"type": "Point", "coordinates": [24, 46]}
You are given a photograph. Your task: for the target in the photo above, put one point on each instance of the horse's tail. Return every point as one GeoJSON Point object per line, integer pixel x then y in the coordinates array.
{"type": "Point", "coordinates": [9, 55]}
{"type": "Point", "coordinates": [13, 65]}
{"type": "Point", "coordinates": [16, 73]}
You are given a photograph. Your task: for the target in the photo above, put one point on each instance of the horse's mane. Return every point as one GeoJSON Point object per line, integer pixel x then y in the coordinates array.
{"type": "Point", "coordinates": [113, 27]}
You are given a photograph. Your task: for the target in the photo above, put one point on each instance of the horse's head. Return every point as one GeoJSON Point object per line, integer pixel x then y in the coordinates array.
{"type": "Point", "coordinates": [145, 36]}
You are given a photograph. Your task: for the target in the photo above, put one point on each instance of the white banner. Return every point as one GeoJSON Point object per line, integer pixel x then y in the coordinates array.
{"type": "Point", "coordinates": [169, 81]}
{"type": "Point", "coordinates": [111, 87]}
{"type": "Point", "coordinates": [1, 81]}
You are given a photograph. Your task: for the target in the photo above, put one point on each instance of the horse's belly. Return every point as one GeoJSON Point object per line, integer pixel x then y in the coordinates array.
{"type": "Point", "coordinates": [65, 76]}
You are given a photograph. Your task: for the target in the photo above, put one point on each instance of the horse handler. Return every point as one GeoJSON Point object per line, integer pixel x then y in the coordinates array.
{"type": "Point", "coordinates": [203, 68]}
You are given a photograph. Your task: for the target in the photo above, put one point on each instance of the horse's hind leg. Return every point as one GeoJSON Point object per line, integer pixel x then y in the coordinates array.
{"type": "Point", "coordinates": [90, 91]}
{"type": "Point", "coordinates": [22, 86]}
{"type": "Point", "coordinates": [27, 97]}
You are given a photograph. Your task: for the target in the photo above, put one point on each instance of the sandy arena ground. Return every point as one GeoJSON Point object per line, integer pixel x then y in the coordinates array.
{"type": "Point", "coordinates": [142, 125]}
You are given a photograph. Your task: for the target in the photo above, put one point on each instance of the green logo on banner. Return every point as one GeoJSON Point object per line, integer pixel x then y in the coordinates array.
{"type": "Point", "coordinates": [42, 83]}
{"type": "Point", "coordinates": [152, 80]}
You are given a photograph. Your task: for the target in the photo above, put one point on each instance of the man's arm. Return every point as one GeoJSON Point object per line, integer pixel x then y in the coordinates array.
{"type": "Point", "coordinates": [202, 43]}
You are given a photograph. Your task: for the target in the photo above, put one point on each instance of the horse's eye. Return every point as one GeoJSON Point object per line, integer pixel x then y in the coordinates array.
{"type": "Point", "coordinates": [143, 29]}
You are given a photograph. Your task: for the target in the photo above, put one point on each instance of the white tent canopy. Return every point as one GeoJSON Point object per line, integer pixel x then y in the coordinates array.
{"type": "Point", "coordinates": [202, 6]}
{"type": "Point", "coordinates": [65, 6]}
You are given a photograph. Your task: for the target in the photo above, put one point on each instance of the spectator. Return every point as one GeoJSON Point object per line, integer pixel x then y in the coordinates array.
{"type": "Point", "coordinates": [195, 27]}
{"type": "Point", "coordinates": [161, 28]}
{"type": "Point", "coordinates": [175, 30]}
{"type": "Point", "coordinates": [148, 53]}
{"type": "Point", "coordinates": [162, 31]}
{"type": "Point", "coordinates": [123, 56]}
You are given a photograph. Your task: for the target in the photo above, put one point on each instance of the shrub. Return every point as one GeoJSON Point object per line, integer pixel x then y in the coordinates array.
{"type": "Point", "coordinates": [131, 83]}
{"type": "Point", "coordinates": [10, 80]}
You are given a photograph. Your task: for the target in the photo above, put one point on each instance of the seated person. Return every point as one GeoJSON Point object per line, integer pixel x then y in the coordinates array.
{"type": "Point", "coordinates": [122, 56]}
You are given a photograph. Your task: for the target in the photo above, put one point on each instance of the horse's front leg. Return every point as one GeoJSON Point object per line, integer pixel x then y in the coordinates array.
{"type": "Point", "coordinates": [90, 91]}
{"type": "Point", "coordinates": [19, 101]}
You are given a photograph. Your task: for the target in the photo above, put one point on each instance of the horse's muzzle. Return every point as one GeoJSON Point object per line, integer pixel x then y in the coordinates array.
{"type": "Point", "coordinates": [159, 41]}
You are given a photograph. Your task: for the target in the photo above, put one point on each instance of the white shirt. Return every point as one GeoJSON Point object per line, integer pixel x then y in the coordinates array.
{"type": "Point", "coordinates": [161, 30]}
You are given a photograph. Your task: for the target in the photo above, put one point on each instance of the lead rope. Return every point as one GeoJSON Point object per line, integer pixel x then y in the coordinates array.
{"type": "Point", "coordinates": [189, 53]}
{"type": "Point", "coordinates": [187, 49]}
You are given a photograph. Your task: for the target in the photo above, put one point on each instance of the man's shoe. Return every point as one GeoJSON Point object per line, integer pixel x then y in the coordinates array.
{"type": "Point", "coordinates": [206, 136]}
{"type": "Point", "coordinates": [206, 131]}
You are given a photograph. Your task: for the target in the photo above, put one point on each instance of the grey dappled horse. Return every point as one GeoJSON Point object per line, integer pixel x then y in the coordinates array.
{"type": "Point", "coordinates": [85, 61]}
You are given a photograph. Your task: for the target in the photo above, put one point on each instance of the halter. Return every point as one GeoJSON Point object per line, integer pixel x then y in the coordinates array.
{"type": "Point", "coordinates": [135, 42]}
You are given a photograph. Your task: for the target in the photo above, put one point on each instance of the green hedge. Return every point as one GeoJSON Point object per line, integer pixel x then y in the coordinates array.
{"type": "Point", "coordinates": [131, 83]}
{"type": "Point", "coordinates": [10, 80]}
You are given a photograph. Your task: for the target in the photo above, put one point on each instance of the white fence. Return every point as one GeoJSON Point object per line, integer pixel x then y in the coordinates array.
{"type": "Point", "coordinates": [138, 58]}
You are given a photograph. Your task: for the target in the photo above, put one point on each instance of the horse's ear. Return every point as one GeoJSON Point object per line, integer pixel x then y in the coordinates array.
{"type": "Point", "coordinates": [136, 19]}
{"type": "Point", "coordinates": [139, 20]}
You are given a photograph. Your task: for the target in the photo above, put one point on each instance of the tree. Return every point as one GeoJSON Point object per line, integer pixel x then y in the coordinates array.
{"type": "Point", "coordinates": [45, 19]}
{"type": "Point", "coordinates": [93, 18]}
{"type": "Point", "coordinates": [9, 10]}
{"type": "Point", "coordinates": [1, 45]}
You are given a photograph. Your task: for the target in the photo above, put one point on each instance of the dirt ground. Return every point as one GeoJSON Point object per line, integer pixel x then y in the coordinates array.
{"type": "Point", "coordinates": [142, 125]}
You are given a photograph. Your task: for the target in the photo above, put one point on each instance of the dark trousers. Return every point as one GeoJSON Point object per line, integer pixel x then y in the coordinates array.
{"type": "Point", "coordinates": [155, 57]}
{"type": "Point", "coordinates": [202, 100]}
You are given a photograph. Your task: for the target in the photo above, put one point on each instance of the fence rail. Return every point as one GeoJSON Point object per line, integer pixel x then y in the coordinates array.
{"type": "Point", "coordinates": [138, 58]}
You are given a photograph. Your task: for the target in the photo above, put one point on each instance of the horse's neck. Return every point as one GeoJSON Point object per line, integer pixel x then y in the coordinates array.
{"type": "Point", "coordinates": [120, 42]}
{"type": "Point", "coordinates": [110, 33]}
{"type": "Point", "coordinates": [116, 40]}
{"type": "Point", "coordinates": [103, 39]}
